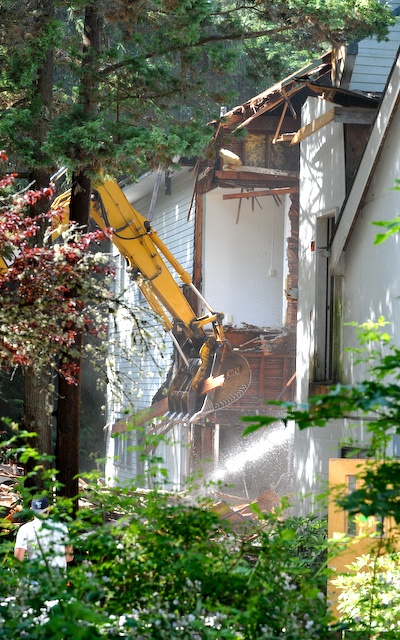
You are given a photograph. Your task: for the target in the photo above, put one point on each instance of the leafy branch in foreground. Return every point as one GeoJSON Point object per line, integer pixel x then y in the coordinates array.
{"type": "Point", "coordinates": [392, 226]}
{"type": "Point", "coordinates": [369, 599]}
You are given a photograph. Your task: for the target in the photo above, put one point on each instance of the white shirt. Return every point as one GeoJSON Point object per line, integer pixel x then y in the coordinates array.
{"type": "Point", "coordinates": [44, 539]}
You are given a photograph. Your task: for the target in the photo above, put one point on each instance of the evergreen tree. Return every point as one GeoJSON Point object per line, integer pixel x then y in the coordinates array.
{"type": "Point", "coordinates": [159, 71]}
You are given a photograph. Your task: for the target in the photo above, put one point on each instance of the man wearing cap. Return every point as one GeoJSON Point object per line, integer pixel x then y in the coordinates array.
{"type": "Point", "coordinates": [43, 539]}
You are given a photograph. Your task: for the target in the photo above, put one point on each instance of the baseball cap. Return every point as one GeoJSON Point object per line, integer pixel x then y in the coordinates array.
{"type": "Point", "coordinates": [39, 504]}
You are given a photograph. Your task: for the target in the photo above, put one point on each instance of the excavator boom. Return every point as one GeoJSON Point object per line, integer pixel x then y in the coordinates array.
{"type": "Point", "coordinates": [211, 357]}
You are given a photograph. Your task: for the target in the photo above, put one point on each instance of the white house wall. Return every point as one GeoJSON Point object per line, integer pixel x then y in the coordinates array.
{"type": "Point", "coordinates": [141, 376]}
{"type": "Point", "coordinates": [243, 258]}
{"type": "Point", "coordinates": [368, 273]}
{"type": "Point", "coordinates": [372, 285]}
{"type": "Point", "coordinates": [322, 192]}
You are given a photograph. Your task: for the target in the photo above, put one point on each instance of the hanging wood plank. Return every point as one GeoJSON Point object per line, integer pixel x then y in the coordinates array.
{"type": "Point", "coordinates": [313, 126]}
{"type": "Point", "coordinates": [239, 207]}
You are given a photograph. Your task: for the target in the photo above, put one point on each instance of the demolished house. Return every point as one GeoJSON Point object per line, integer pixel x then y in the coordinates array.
{"type": "Point", "coordinates": [233, 220]}
{"type": "Point", "coordinates": [346, 135]}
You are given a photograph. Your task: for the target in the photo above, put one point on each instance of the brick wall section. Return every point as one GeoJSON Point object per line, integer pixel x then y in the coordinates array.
{"type": "Point", "coordinates": [293, 262]}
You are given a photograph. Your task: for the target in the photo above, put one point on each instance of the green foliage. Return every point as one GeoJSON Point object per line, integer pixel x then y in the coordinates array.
{"type": "Point", "coordinates": [309, 541]}
{"type": "Point", "coordinates": [392, 226]}
{"type": "Point", "coordinates": [26, 61]}
{"type": "Point", "coordinates": [158, 566]}
{"type": "Point", "coordinates": [122, 146]}
{"type": "Point", "coordinates": [379, 494]}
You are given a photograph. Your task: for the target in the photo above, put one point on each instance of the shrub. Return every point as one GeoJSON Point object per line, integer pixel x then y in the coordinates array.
{"type": "Point", "coordinates": [154, 565]}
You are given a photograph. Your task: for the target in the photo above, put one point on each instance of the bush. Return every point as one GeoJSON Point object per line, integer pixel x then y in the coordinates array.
{"type": "Point", "coordinates": [153, 565]}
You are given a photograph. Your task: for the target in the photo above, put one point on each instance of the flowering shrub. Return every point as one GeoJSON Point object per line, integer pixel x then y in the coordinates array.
{"type": "Point", "coordinates": [155, 566]}
{"type": "Point", "coordinates": [369, 598]}
{"type": "Point", "coordinates": [49, 291]}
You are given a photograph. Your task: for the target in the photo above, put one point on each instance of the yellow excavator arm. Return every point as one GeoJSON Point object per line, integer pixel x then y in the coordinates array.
{"type": "Point", "coordinates": [145, 253]}
{"type": "Point", "coordinates": [211, 354]}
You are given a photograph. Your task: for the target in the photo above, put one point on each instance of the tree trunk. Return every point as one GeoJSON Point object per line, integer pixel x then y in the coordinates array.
{"type": "Point", "coordinates": [69, 395]}
{"type": "Point", "coordinates": [37, 395]}
{"type": "Point", "coordinates": [37, 419]}
{"type": "Point", "coordinates": [68, 422]}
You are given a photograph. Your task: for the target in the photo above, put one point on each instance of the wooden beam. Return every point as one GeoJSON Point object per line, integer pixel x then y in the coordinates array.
{"type": "Point", "coordinates": [230, 173]}
{"type": "Point", "coordinates": [291, 107]}
{"type": "Point", "coordinates": [343, 115]}
{"type": "Point", "coordinates": [354, 115]}
{"type": "Point", "coordinates": [198, 245]}
{"type": "Point", "coordinates": [285, 137]}
{"type": "Point", "coordinates": [273, 100]}
{"type": "Point", "coordinates": [278, 129]}
{"type": "Point", "coordinates": [314, 126]}
{"type": "Point", "coordinates": [258, 194]}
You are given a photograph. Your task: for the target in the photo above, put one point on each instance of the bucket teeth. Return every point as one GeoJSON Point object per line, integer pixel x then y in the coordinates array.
{"type": "Point", "coordinates": [187, 401]}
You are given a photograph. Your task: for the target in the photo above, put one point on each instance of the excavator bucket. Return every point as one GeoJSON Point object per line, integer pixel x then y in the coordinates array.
{"type": "Point", "coordinates": [208, 384]}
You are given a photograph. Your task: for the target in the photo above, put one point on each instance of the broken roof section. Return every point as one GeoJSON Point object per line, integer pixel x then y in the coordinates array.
{"type": "Point", "coordinates": [291, 93]}
{"type": "Point", "coordinates": [281, 94]}
{"type": "Point", "coordinates": [264, 164]}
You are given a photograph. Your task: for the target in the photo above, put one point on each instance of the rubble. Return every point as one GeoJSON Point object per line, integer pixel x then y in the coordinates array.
{"type": "Point", "coordinates": [226, 508]}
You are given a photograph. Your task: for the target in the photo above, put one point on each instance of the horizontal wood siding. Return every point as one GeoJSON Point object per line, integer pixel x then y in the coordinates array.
{"type": "Point", "coordinates": [374, 60]}
{"type": "Point", "coordinates": [170, 219]}
{"type": "Point", "coordinates": [171, 223]}
{"type": "Point", "coordinates": [270, 373]}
